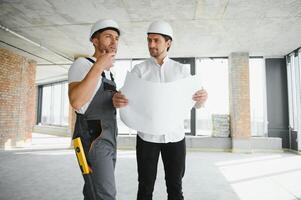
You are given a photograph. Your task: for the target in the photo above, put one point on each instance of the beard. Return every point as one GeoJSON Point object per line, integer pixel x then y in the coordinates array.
{"type": "Point", "coordinates": [107, 49]}
{"type": "Point", "coordinates": [154, 52]}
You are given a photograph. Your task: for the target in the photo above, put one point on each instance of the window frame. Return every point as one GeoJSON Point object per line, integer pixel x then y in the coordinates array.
{"type": "Point", "coordinates": [40, 103]}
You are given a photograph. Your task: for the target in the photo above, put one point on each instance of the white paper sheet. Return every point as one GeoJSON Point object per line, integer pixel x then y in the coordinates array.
{"type": "Point", "coordinates": [157, 108]}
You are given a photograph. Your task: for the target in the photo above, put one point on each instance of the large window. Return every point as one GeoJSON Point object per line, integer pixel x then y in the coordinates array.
{"type": "Point", "coordinates": [214, 78]}
{"type": "Point", "coordinates": [293, 78]}
{"type": "Point", "coordinates": [294, 91]}
{"type": "Point", "coordinates": [289, 91]}
{"type": "Point", "coordinates": [258, 97]}
{"type": "Point", "coordinates": [299, 100]}
{"type": "Point", "coordinates": [55, 104]}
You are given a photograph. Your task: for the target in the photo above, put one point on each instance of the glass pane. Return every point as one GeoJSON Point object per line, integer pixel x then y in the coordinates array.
{"type": "Point", "coordinates": [120, 69]}
{"type": "Point", "coordinates": [293, 74]}
{"type": "Point", "coordinates": [299, 120]}
{"type": "Point", "coordinates": [46, 105]}
{"type": "Point", "coordinates": [299, 58]}
{"type": "Point", "coordinates": [56, 104]}
{"type": "Point", "coordinates": [289, 88]}
{"type": "Point", "coordinates": [65, 103]}
{"type": "Point", "coordinates": [214, 79]}
{"type": "Point", "coordinates": [257, 97]}
{"type": "Point", "coordinates": [298, 95]}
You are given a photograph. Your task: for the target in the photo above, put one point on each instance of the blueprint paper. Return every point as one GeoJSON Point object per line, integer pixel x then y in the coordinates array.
{"type": "Point", "coordinates": [157, 108]}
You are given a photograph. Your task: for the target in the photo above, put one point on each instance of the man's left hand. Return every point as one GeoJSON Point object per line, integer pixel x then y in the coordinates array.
{"type": "Point", "coordinates": [119, 100]}
{"type": "Point", "coordinates": [200, 96]}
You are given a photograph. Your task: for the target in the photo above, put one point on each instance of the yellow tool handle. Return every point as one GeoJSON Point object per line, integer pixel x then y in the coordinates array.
{"type": "Point", "coordinates": [80, 154]}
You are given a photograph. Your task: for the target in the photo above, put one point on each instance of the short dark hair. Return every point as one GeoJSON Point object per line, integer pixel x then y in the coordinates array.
{"type": "Point", "coordinates": [104, 29]}
{"type": "Point", "coordinates": [166, 37]}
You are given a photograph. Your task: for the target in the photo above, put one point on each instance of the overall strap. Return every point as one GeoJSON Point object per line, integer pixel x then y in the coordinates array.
{"type": "Point", "coordinates": [90, 59]}
{"type": "Point", "coordinates": [102, 74]}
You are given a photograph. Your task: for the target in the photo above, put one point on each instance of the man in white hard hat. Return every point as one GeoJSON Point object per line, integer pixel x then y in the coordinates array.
{"type": "Point", "coordinates": [160, 68]}
{"type": "Point", "coordinates": [91, 87]}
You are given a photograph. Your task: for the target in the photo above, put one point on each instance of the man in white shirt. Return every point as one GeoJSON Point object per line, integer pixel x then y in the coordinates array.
{"type": "Point", "coordinates": [91, 88]}
{"type": "Point", "coordinates": [160, 68]}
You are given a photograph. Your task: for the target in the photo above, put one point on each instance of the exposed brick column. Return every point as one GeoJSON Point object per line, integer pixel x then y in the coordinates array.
{"type": "Point", "coordinates": [240, 102]}
{"type": "Point", "coordinates": [17, 99]}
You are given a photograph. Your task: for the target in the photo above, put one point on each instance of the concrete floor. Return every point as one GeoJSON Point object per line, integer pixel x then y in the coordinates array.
{"type": "Point", "coordinates": [35, 174]}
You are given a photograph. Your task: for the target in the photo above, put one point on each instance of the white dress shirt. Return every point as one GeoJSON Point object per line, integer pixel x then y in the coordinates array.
{"type": "Point", "coordinates": [169, 71]}
{"type": "Point", "coordinates": [78, 71]}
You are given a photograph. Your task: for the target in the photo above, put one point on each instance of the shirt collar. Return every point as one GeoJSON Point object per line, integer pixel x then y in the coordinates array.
{"type": "Point", "coordinates": [165, 60]}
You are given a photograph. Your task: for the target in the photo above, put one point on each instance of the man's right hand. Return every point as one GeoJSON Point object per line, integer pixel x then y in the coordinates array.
{"type": "Point", "coordinates": [105, 60]}
{"type": "Point", "coordinates": [119, 100]}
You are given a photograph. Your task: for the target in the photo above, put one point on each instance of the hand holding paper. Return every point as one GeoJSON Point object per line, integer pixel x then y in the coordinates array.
{"type": "Point", "coordinates": [119, 100]}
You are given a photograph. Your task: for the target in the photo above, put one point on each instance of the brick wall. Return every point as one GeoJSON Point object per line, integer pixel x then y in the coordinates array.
{"type": "Point", "coordinates": [17, 98]}
{"type": "Point", "coordinates": [239, 95]}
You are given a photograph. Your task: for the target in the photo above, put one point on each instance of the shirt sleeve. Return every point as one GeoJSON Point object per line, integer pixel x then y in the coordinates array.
{"type": "Point", "coordinates": [77, 70]}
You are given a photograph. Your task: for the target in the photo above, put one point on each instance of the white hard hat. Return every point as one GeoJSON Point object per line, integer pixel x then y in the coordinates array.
{"type": "Point", "coordinates": [160, 27]}
{"type": "Point", "coordinates": [102, 24]}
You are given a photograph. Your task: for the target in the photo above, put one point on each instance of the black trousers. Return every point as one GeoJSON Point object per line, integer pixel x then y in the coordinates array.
{"type": "Point", "coordinates": [173, 157]}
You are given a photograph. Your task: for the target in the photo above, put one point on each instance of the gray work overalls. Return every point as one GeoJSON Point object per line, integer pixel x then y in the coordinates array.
{"type": "Point", "coordinates": [97, 128]}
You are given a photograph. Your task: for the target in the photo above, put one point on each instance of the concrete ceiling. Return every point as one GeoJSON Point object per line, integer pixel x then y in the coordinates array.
{"type": "Point", "coordinates": [53, 32]}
